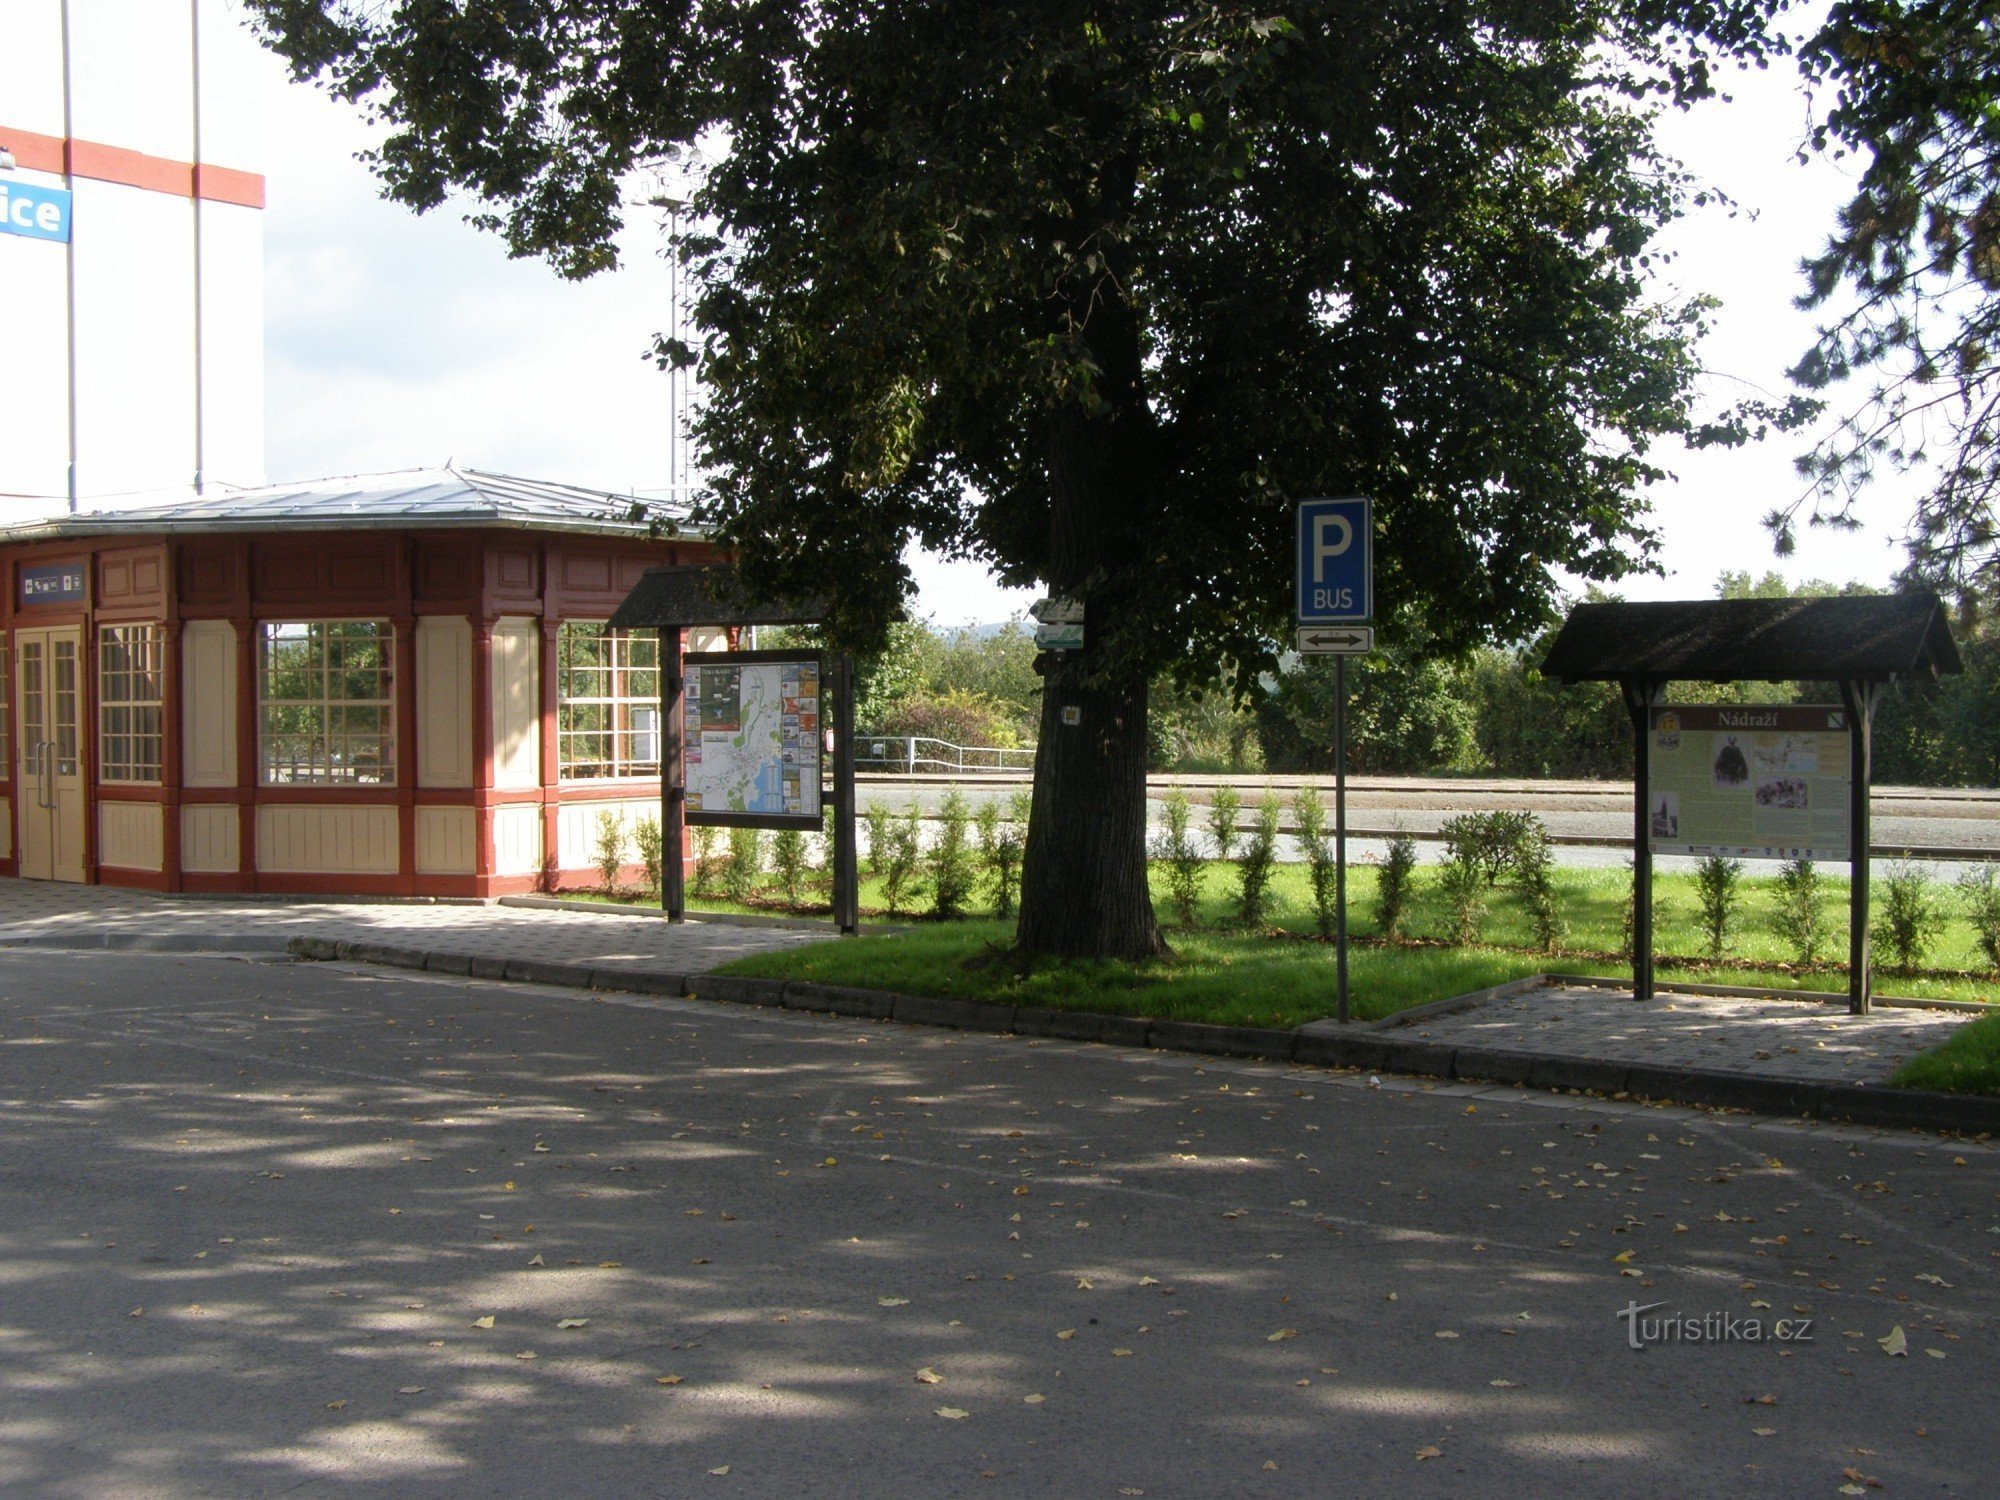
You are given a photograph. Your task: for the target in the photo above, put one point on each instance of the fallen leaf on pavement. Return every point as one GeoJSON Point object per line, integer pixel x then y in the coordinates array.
{"type": "Point", "coordinates": [1895, 1342]}
{"type": "Point", "coordinates": [892, 1301]}
{"type": "Point", "coordinates": [572, 1322]}
{"type": "Point", "coordinates": [1281, 1335]}
{"type": "Point", "coordinates": [666, 1380]}
{"type": "Point", "coordinates": [485, 1322]}
{"type": "Point", "coordinates": [928, 1376]}
{"type": "Point", "coordinates": [720, 1469]}
{"type": "Point", "coordinates": [1035, 1400]}
{"type": "Point", "coordinates": [1429, 1451]}
{"type": "Point", "coordinates": [953, 1413]}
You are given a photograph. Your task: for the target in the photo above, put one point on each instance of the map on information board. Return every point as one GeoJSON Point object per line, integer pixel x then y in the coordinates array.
{"type": "Point", "coordinates": [751, 738]}
{"type": "Point", "coordinates": [1750, 781]}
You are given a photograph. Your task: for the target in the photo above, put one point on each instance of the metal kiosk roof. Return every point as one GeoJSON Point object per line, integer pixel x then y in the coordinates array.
{"type": "Point", "coordinates": [1863, 643]}
{"type": "Point", "coordinates": [670, 600]}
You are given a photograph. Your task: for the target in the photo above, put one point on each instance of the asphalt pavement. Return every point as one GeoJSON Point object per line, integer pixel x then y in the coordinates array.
{"type": "Point", "coordinates": [307, 1230]}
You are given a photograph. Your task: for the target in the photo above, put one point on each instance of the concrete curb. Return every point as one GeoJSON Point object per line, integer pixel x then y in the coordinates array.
{"type": "Point", "coordinates": [164, 942]}
{"type": "Point", "coordinates": [1320, 1044]}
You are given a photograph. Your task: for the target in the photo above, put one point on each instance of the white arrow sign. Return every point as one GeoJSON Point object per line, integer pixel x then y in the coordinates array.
{"type": "Point", "coordinates": [1336, 640]}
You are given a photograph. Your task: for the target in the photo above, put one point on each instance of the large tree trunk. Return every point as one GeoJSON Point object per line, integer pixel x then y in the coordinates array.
{"type": "Point", "coordinates": [1083, 877]}
{"type": "Point", "coordinates": [1083, 874]}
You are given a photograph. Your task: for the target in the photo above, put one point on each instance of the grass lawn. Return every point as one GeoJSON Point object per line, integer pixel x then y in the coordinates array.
{"type": "Point", "coordinates": [1283, 975]}
{"type": "Point", "coordinates": [1967, 1064]}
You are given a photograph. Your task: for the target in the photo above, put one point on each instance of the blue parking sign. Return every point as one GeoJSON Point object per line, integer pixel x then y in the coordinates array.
{"type": "Point", "coordinates": [1336, 556]}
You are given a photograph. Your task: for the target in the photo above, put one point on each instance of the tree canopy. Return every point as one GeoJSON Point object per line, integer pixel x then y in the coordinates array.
{"type": "Point", "coordinates": [1094, 292]}
{"type": "Point", "coordinates": [1910, 276]}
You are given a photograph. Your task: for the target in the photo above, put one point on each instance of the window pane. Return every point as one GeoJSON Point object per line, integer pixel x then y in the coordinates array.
{"type": "Point", "coordinates": [327, 703]}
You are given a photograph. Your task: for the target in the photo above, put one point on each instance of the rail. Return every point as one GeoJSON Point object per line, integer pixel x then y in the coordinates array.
{"type": "Point", "coordinates": [919, 755]}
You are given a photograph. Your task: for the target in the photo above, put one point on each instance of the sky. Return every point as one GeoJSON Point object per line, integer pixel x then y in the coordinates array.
{"type": "Point", "coordinates": [395, 341]}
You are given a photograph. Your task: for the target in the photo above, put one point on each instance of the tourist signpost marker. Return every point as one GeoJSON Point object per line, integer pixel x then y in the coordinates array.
{"type": "Point", "coordinates": [1335, 595]}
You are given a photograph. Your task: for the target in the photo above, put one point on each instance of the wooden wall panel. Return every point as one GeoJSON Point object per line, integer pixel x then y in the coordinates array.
{"type": "Point", "coordinates": [444, 701]}
{"type": "Point", "coordinates": [208, 703]}
{"type": "Point", "coordinates": [211, 839]}
{"type": "Point", "coordinates": [447, 840]}
{"type": "Point", "coordinates": [315, 840]}
{"type": "Point", "coordinates": [517, 704]}
{"type": "Point", "coordinates": [6, 828]}
{"type": "Point", "coordinates": [577, 829]}
{"type": "Point", "coordinates": [517, 839]}
{"type": "Point", "coordinates": [131, 835]}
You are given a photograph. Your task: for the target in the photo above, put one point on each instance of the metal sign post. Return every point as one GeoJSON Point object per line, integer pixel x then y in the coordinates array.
{"type": "Point", "coordinates": [1336, 588]}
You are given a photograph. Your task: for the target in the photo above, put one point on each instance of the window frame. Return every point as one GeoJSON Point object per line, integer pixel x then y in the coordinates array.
{"type": "Point", "coordinates": [319, 712]}
{"type": "Point", "coordinates": [146, 712]}
{"type": "Point", "coordinates": [618, 733]}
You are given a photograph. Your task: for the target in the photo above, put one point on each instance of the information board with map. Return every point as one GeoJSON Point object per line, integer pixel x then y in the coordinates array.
{"type": "Point", "coordinates": [1750, 781]}
{"type": "Point", "coordinates": [750, 736]}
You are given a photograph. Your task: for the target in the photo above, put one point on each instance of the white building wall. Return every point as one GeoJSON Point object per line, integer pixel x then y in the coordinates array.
{"type": "Point", "coordinates": [168, 287]}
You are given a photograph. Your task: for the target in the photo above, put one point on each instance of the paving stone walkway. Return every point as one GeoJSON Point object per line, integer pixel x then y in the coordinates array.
{"type": "Point", "coordinates": [43, 913]}
{"type": "Point", "coordinates": [1791, 1039]}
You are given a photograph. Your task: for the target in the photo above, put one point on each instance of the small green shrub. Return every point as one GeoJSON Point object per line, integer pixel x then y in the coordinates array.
{"type": "Point", "coordinates": [788, 859]}
{"type": "Point", "coordinates": [1321, 866]}
{"type": "Point", "coordinates": [608, 852]}
{"type": "Point", "coordinates": [1911, 917]}
{"type": "Point", "coordinates": [707, 865]}
{"type": "Point", "coordinates": [1801, 912]}
{"type": "Point", "coordinates": [1002, 837]}
{"type": "Point", "coordinates": [1259, 858]}
{"type": "Point", "coordinates": [1979, 889]}
{"type": "Point", "coordinates": [743, 865]}
{"type": "Point", "coordinates": [1491, 841]}
{"type": "Point", "coordinates": [876, 816]}
{"type": "Point", "coordinates": [651, 844]}
{"type": "Point", "coordinates": [949, 861]}
{"type": "Point", "coordinates": [1222, 809]}
{"type": "Point", "coordinates": [1718, 889]}
{"type": "Point", "coordinates": [1533, 877]}
{"type": "Point", "coordinates": [1394, 885]}
{"type": "Point", "coordinates": [901, 850]}
{"type": "Point", "coordinates": [1175, 848]}
{"type": "Point", "coordinates": [1462, 882]}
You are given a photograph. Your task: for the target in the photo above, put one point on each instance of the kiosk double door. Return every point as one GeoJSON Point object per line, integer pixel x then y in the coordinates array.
{"type": "Point", "coordinates": [48, 771]}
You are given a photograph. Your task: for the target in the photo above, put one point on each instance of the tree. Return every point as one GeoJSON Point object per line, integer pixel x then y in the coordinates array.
{"type": "Point", "coordinates": [1913, 270]}
{"type": "Point", "coordinates": [1094, 291]}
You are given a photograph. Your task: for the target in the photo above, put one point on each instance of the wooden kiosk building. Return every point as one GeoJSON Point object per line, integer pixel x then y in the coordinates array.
{"type": "Point", "coordinates": [400, 684]}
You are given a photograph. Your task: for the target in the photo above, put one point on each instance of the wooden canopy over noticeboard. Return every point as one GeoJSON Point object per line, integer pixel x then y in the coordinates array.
{"type": "Point", "coordinates": [1872, 638]}
{"type": "Point", "coordinates": [674, 599]}
{"type": "Point", "coordinates": [1862, 643]}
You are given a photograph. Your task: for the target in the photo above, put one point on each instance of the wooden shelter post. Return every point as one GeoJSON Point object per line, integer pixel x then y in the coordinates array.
{"type": "Point", "coordinates": [846, 863]}
{"type": "Point", "coordinates": [1640, 695]}
{"type": "Point", "coordinates": [1859, 698]}
{"type": "Point", "coordinates": [673, 779]}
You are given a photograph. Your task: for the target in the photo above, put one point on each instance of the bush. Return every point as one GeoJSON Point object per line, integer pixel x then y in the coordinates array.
{"type": "Point", "coordinates": [1801, 915]}
{"type": "Point", "coordinates": [1260, 857]}
{"type": "Point", "coordinates": [1222, 810]}
{"type": "Point", "coordinates": [608, 853]}
{"type": "Point", "coordinates": [1320, 855]}
{"type": "Point", "coordinates": [743, 865]}
{"type": "Point", "coordinates": [876, 816]}
{"type": "Point", "coordinates": [1175, 848]}
{"type": "Point", "coordinates": [1463, 884]}
{"type": "Point", "coordinates": [788, 859]}
{"type": "Point", "coordinates": [1491, 841]}
{"type": "Point", "coordinates": [1393, 885]}
{"type": "Point", "coordinates": [1979, 889]}
{"type": "Point", "coordinates": [1533, 877]}
{"type": "Point", "coordinates": [651, 844]}
{"type": "Point", "coordinates": [1717, 887]}
{"type": "Point", "coordinates": [1911, 915]}
{"type": "Point", "coordinates": [902, 849]}
{"type": "Point", "coordinates": [950, 860]}
{"type": "Point", "coordinates": [957, 716]}
{"type": "Point", "coordinates": [706, 865]}
{"type": "Point", "coordinates": [1001, 840]}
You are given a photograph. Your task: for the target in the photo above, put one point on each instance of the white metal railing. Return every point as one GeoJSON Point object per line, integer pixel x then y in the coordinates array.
{"type": "Point", "coordinates": [920, 755]}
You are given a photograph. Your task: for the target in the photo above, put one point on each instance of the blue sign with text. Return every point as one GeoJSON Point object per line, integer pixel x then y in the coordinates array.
{"type": "Point", "coordinates": [1336, 562]}
{"type": "Point", "coordinates": [52, 583]}
{"type": "Point", "coordinates": [37, 213]}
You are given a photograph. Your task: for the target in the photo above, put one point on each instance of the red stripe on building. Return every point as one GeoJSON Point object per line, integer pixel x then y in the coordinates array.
{"type": "Point", "coordinates": [154, 174]}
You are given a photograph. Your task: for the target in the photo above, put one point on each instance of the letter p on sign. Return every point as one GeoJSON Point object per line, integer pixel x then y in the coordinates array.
{"type": "Point", "coordinates": [1336, 562]}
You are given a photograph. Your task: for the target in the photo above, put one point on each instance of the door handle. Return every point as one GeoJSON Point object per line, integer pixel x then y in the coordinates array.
{"type": "Point", "coordinates": [45, 788]}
